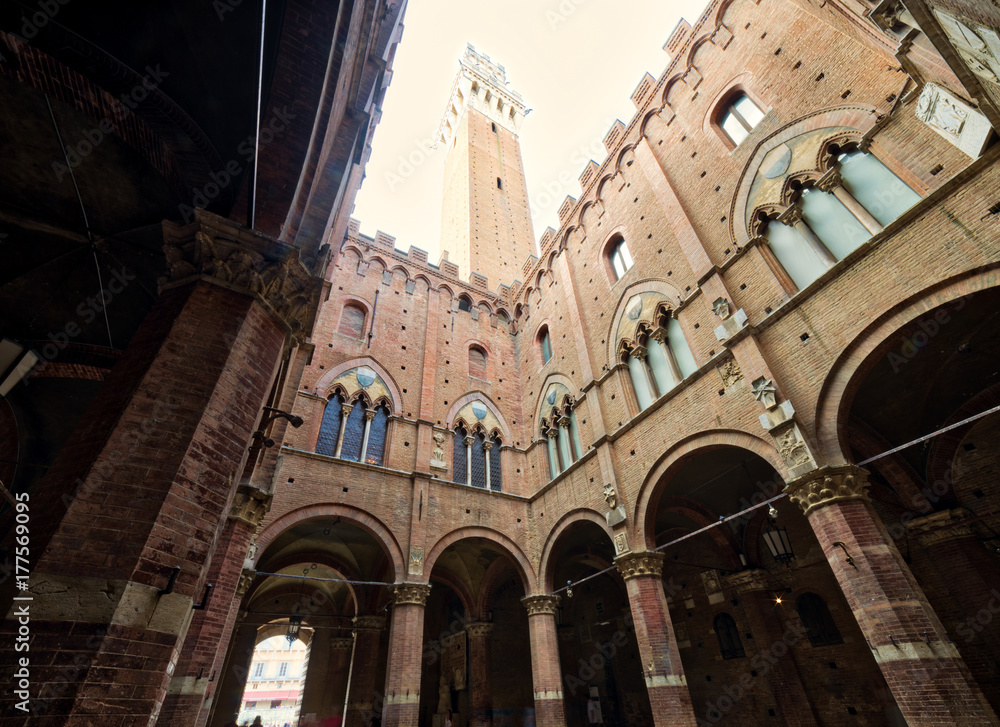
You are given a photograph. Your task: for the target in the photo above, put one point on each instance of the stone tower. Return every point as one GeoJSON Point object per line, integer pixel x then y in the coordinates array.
{"type": "Point", "coordinates": [485, 216]}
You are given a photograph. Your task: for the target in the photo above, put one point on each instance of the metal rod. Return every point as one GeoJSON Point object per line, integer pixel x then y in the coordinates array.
{"type": "Point", "coordinates": [252, 198]}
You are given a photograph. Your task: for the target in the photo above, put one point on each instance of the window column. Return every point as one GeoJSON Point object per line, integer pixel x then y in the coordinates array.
{"type": "Point", "coordinates": [551, 434]}
{"type": "Point", "coordinates": [793, 218]}
{"type": "Point", "coordinates": [574, 431]}
{"type": "Point", "coordinates": [369, 415]}
{"type": "Point", "coordinates": [663, 363]}
{"type": "Point", "coordinates": [640, 381]}
{"type": "Point", "coordinates": [832, 182]}
{"type": "Point", "coordinates": [564, 445]}
{"type": "Point", "coordinates": [345, 411]}
{"type": "Point", "coordinates": [487, 446]}
{"type": "Point", "coordinates": [642, 353]}
{"type": "Point", "coordinates": [469, 441]}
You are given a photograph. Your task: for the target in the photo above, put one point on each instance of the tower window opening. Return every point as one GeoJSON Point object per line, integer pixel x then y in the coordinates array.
{"type": "Point", "coordinates": [739, 118]}
{"type": "Point", "coordinates": [499, 183]}
{"type": "Point", "coordinates": [494, 127]}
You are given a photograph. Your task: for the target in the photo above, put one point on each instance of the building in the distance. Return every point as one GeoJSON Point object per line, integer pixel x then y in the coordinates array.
{"type": "Point", "coordinates": [721, 449]}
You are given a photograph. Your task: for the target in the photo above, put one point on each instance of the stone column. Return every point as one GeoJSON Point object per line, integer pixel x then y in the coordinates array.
{"type": "Point", "coordinates": [364, 666]}
{"type": "Point", "coordinates": [469, 441]}
{"type": "Point", "coordinates": [479, 673]}
{"type": "Point", "coordinates": [641, 353]}
{"type": "Point", "coordinates": [660, 336]}
{"type": "Point", "coordinates": [369, 415]}
{"type": "Point", "coordinates": [406, 639]}
{"type": "Point", "coordinates": [552, 435]}
{"type": "Point", "coordinates": [338, 676]}
{"type": "Point", "coordinates": [831, 182]}
{"type": "Point", "coordinates": [565, 445]}
{"type": "Point", "coordinates": [661, 660]}
{"type": "Point", "coordinates": [927, 677]}
{"type": "Point", "coordinates": [487, 446]}
{"type": "Point", "coordinates": [793, 218]}
{"type": "Point", "coordinates": [753, 588]}
{"type": "Point", "coordinates": [345, 414]}
{"type": "Point", "coordinates": [546, 673]}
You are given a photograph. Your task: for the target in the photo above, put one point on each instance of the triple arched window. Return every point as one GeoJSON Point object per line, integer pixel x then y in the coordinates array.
{"type": "Point", "coordinates": [353, 431]}
{"type": "Point", "coordinates": [476, 458]}
{"type": "Point", "coordinates": [658, 360]}
{"type": "Point", "coordinates": [561, 433]}
{"type": "Point", "coordinates": [831, 217]}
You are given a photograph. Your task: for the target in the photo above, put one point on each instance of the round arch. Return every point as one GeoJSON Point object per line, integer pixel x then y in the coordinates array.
{"type": "Point", "coordinates": [675, 456]}
{"type": "Point", "coordinates": [512, 549]}
{"type": "Point", "coordinates": [581, 515]}
{"type": "Point", "coordinates": [370, 524]}
{"type": "Point", "coordinates": [844, 377]}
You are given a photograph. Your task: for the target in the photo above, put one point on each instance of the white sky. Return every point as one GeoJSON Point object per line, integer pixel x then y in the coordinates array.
{"type": "Point", "coordinates": [575, 62]}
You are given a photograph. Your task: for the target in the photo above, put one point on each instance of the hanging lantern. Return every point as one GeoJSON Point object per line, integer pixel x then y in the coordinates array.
{"type": "Point", "coordinates": [294, 624]}
{"type": "Point", "coordinates": [777, 542]}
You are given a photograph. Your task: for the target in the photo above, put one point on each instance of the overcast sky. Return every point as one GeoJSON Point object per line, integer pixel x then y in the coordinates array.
{"type": "Point", "coordinates": [575, 62]}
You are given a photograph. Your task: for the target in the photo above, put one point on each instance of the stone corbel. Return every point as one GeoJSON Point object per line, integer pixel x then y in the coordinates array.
{"type": "Point", "coordinates": [218, 250]}
{"type": "Point", "coordinates": [940, 527]}
{"type": "Point", "coordinates": [247, 577]}
{"type": "Point", "coordinates": [731, 322]}
{"type": "Point", "coordinates": [747, 581]}
{"type": "Point", "coordinates": [250, 504]}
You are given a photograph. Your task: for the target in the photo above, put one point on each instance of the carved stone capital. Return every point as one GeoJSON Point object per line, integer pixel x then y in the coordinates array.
{"type": "Point", "coordinates": [369, 414]}
{"type": "Point", "coordinates": [411, 594]}
{"type": "Point", "coordinates": [830, 181]}
{"type": "Point", "coordinates": [640, 564]}
{"type": "Point", "coordinates": [552, 433]}
{"type": "Point", "coordinates": [479, 629]}
{"type": "Point", "coordinates": [659, 334]}
{"type": "Point", "coordinates": [828, 485]}
{"type": "Point", "coordinates": [565, 421]}
{"type": "Point", "coordinates": [541, 605]}
{"type": "Point", "coordinates": [341, 644]}
{"type": "Point", "coordinates": [247, 576]}
{"type": "Point", "coordinates": [640, 352]}
{"type": "Point", "coordinates": [791, 216]}
{"type": "Point", "coordinates": [469, 440]}
{"type": "Point", "coordinates": [940, 527]}
{"type": "Point", "coordinates": [235, 257]}
{"type": "Point", "coordinates": [368, 623]}
{"type": "Point", "coordinates": [488, 445]}
{"type": "Point", "coordinates": [747, 581]}
{"type": "Point", "coordinates": [250, 505]}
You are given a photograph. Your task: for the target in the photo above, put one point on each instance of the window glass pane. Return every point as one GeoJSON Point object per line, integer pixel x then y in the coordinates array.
{"type": "Point", "coordinates": [464, 304]}
{"type": "Point", "coordinates": [665, 380]}
{"type": "Point", "coordinates": [329, 429]}
{"type": "Point", "coordinates": [459, 459]}
{"type": "Point", "coordinates": [574, 429]}
{"type": "Point", "coordinates": [679, 347]}
{"type": "Point", "coordinates": [621, 260]}
{"type": "Point", "coordinates": [733, 128]}
{"type": "Point", "coordinates": [352, 321]}
{"type": "Point", "coordinates": [478, 462]}
{"type": "Point", "coordinates": [546, 347]}
{"type": "Point", "coordinates": [496, 475]}
{"type": "Point", "coordinates": [839, 230]}
{"type": "Point", "coordinates": [748, 110]}
{"type": "Point", "coordinates": [376, 437]}
{"type": "Point", "coordinates": [642, 393]}
{"type": "Point", "coordinates": [354, 434]}
{"type": "Point", "coordinates": [880, 191]}
{"type": "Point", "coordinates": [626, 256]}
{"type": "Point", "coordinates": [553, 455]}
{"type": "Point", "coordinates": [799, 260]}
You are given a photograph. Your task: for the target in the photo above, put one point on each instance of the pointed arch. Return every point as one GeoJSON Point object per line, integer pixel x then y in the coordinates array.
{"type": "Point", "coordinates": [325, 380]}
{"type": "Point", "coordinates": [450, 420]}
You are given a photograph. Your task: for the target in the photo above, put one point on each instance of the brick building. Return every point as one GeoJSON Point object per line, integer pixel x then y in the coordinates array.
{"type": "Point", "coordinates": [722, 452]}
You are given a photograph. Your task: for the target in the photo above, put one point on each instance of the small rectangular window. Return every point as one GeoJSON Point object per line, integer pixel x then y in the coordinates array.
{"type": "Point", "coordinates": [499, 183]}
{"type": "Point", "coordinates": [283, 669]}
{"type": "Point", "coordinates": [546, 347]}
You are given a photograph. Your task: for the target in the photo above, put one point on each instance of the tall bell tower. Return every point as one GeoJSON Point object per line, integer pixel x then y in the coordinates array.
{"type": "Point", "coordinates": [485, 215]}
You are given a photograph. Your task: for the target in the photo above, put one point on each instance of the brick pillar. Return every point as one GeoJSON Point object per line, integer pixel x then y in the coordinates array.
{"type": "Point", "coordinates": [752, 586]}
{"type": "Point", "coordinates": [666, 685]}
{"type": "Point", "coordinates": [480, 636]}
{"type": "Point", "coordinates": [545, 670]}
{"type": "Point", "coordinates": [406, 639]}
{"type": "Point", "coordinates": [927, 677]}
{"type": "Point", "coordinates": [201, 658]}
{"type": "Point", "coordinates": [364, 666]}
{"type": "Point", "coordinates": [326, 675]}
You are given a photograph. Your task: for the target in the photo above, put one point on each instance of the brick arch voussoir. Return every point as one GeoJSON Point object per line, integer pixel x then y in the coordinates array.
{"type": "Point", "coordinates": [355, 516]}
{"type": "Point", "coordinates": [546, 567]}
{"type": "Point", "coordinates": [674, 457]}
{"type": "Point", "coordinates": [846, 375]}
{"type": "Point", "coordinates": [508, 546]}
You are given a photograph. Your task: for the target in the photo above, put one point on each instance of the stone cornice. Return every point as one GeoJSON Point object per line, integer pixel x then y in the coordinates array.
{"type": "Point", "coordinates": [940, 527]}
{"type": "Point", "coordinates": [410, 594]}
{"type": "Point", "coordinates": [828, 485]}
{"type": "Point", "coordinates": [640, 564]}
{"type": "Point", "coordinates": [541, 605]}
{"type": "Point", "coordinates": [225, 253]}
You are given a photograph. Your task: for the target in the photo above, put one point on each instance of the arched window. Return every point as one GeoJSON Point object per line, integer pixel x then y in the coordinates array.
{"type": "Point", "coordinates": [739, 118]}
{"type": "Point", "coordinates": [791, 248]}
{"type": "Point", "coordinates": [464, 304]}
{"type": "Point", "coordinates": [329, 429]}
{"type": "Point", "coordinates": [562, 436]}
{"type": "Point", "coordinates": [545, 345]}
{"type": "Point", "coordinates": [460, 457]}
{"type": "Point", "coordinates": [477, 362]}
{"type": "Point", "coordinates": [728, 635]}
{"type": "Point", "coordinates": [354, 433]}
{"type": "Point", "coordinates": [619, 257]}
{"type": "Point", "coordinates": [352, 321]}
{"type": "Point", "coordinates": [876, 188]}
{"type": "Point", "coordinates": [661, 363]}
{"type": "Point", "coordinates": [375, 451]}
{"type": "Point", "coordinates": [496, 474]}
{"type": "Point", "coordinates": [817, 620]}
{"type": "Point", "coordinates": [478, 460]}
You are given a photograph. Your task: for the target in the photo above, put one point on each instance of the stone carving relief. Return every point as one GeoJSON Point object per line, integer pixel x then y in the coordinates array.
{"type": "Point", "coordinates": [792, 449]}
{"type": "Point", "coordinates": [978, 45]}
{"type": "Point", "coordinates": [610, 496]}
{"type": "Point", "coordinates": [416, 564]}
{"type": "Point", "coordinates": [765, 392]}
{"type": "Point", "coordinates": [621, 544]}
{"type": "Point", "coordinates": [953, 119]}
{"type": "Point", "coordinates": [635, 565]}
{"type": "Point", "coordinates": [730, 372]}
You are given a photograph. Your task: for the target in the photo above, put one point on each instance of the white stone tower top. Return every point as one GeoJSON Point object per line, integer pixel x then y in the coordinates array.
{"type": "Point", "coordinates": [482, 84]}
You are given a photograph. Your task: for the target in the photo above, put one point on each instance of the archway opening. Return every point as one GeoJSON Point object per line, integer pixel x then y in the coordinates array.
{"type": "Point", "coordinates": [277, 675]}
